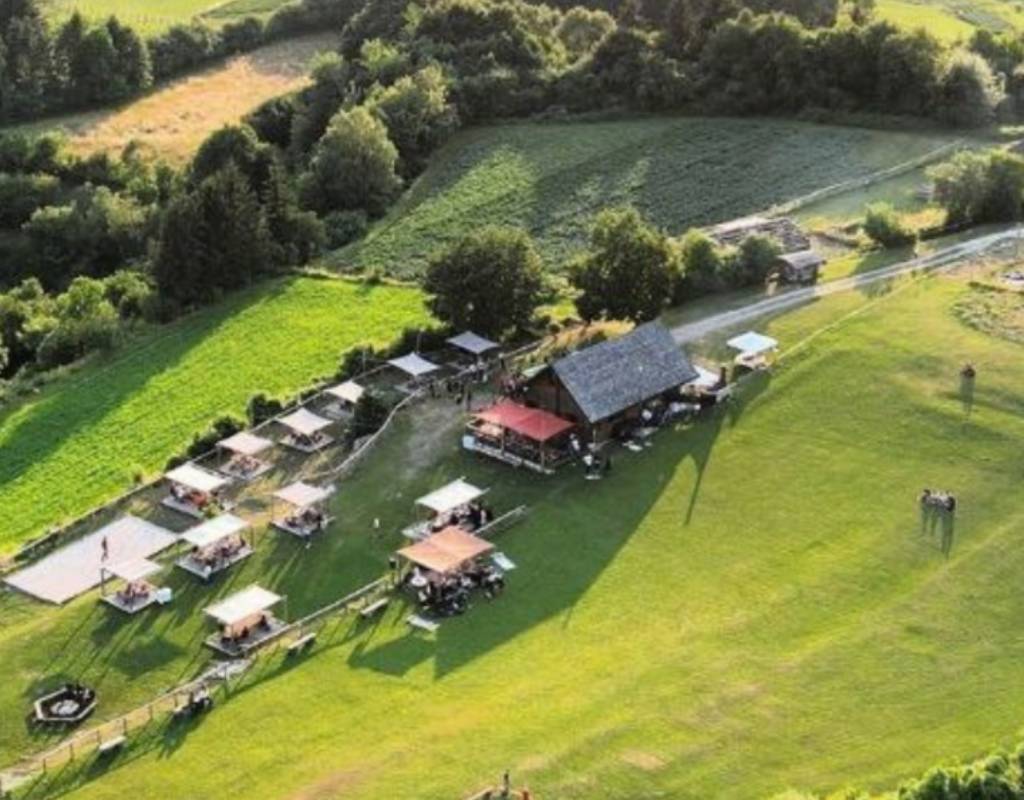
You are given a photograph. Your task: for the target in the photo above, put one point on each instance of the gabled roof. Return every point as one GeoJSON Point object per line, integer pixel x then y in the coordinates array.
{"type": "Point", "coordinates": [612, 376]}
{"type": "Point", "coordinates": [802, 259]}
{"type": "Point", "coordinates": [472, 343]}
{"type": "Point", "coordinates": [533, 423]}
{"type": "Point", "coordinates": [783, 230]}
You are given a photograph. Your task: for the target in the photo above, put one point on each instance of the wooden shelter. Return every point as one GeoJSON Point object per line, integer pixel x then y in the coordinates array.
{"type": "Point", "coordinates": [215, 545]}
{"type": "Point", "coordinates": [305, 431]}
{"type": "Point", "coordinates": [137, 592]}
{"type": "Point", "coordinates": [245, 619]}
{"type": "Point", "coordinates": [446, 552]}
{"type": "Point", "coordinates": [242, 451]}
{"type": "Point", "coordinates": [306, 512]}
{"type": "Point", "coordinates": [606, 385]}
{"type": "Point", "coordinates": [801, 267]}
{"type": "Point", "coordinates": [519, 435]}
{"type": "Point", "coordinates": [194, 490]}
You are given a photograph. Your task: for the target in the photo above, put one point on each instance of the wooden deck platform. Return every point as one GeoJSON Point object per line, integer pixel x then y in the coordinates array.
{"type": "Point", "coordinates": [189, 564]}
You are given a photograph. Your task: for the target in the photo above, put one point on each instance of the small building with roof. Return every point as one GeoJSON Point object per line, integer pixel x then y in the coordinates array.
{"type": "Point", "coordinates": [605, 385]}
{"type": "Point", "coordinates": [798, 262]}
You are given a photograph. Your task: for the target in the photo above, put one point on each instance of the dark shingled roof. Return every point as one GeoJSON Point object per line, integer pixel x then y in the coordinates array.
{"type": "Point", "coordinates": [612, 376]}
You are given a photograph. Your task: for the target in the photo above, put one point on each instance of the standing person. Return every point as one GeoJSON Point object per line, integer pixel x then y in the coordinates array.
{"type": "Point", "coordinates": [105, 549]}
{"type": "Point", "coordinates": [506, 784]}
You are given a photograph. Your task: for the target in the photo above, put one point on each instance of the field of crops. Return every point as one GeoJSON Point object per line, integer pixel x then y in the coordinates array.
{"type": "Point", "coordinates": [149, 18]}
{"type": "Point", "coordinates": [953, 19]}
{"type": "Point", "coordinates": [553, 178]}
{"type": "Point", "coordinates": [85, 439]}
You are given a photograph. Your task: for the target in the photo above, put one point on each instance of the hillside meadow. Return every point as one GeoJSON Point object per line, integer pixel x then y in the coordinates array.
{"type": "Point", "coordinates": [553, 178]}
{"type": "Point", "coordinates": [85, 438]}
{"type": "Point", "coordinates": [692, 626]}
{"type": "Point", "coordinates": [953, 20]}
{"type": "Point", "coordinates": [150, 18]}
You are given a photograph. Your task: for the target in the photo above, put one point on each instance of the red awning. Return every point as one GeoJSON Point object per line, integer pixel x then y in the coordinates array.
{"type": "Point", "coordinates": [533, 423]}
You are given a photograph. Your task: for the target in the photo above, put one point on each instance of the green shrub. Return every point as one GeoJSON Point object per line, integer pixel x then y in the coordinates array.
{"type": "Point", "coordinates": [885, 227]}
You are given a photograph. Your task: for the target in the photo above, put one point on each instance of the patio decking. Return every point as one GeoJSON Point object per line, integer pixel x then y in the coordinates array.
{"type": "Point", "coordinates": [238, 648]}
{"type": "Point", "coordinates": [200, 570]}
{"type": "Point", "coordinates": [281, 525]}
{"type": "Point", "coordinates": [308, 449]}
{"type": "Point", "coordinates": [175, 504]}
{"type": "Point", "coordinates": [116, 601]}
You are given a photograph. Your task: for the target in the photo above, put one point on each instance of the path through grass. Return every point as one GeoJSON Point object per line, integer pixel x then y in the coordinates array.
{"type": "Point", "coordinates": [84, 439]}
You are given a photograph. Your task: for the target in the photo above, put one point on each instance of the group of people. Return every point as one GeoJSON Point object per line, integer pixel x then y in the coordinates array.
{"type": "Point", "coordinates": [449, 595]}
{"type": "Point", "coordinates": [308, 521]}
{"type": "Point", "coordinates": [212, 558]}
{"type": "Point", "coordinates": [243, 466]}
{"type": "Point", "coordinates": [134, 592]}
{"type": "Point", "coordinates": [470, 517]}
{"type": "Point", "coordinates": [192, 497]}
{"type": "Point", "coordinates": [238, 635]}
{"type": "Point", "coordinates": [308, 441]}
{"type": "Point", "coordinates": [945, 501]}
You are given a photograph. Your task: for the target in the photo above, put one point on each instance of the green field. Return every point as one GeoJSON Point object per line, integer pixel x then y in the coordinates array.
{"type": "Point", "coordinates": [84, 439]}
{"type": "Point", "coordinates": [553, 178]}
{"type": "Point", "coordinates": [150, 18]}
{"type": "Point", "coordinates": [753, 604]}
{"type": "Point", "coordinates": [953, 19]}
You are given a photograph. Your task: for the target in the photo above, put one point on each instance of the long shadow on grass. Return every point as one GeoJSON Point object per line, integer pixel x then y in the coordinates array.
{"type": "Point", "coordinates": [73, 406]}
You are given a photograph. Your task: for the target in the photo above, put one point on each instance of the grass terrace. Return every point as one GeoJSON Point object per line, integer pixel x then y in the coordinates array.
{"type": "Point", "coordinates": [553, 178]}
{"type": "Point", "coordinates": [689, 626]}
{"type": "Point", "coordinates": [85, 438]}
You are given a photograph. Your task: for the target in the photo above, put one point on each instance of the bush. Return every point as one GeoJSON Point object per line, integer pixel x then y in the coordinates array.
{"type": "Point", "coordinates": [356, 361]}
{"type": "Point", "coordinates": [221, 429]}
{"type": "Point", "coordinates": [369, 415]}
{"type": "Point", "coordinates": [261, 407]}
{"type": "Point", "coordinates": [345, 227]}
{"type": "Point", "coordinates": [884, 227]}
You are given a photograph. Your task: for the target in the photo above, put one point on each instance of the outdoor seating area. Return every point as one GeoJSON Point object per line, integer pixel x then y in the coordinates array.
{"type": "Point", "coordinates": [245, 621]}
{"type": "Point", "coordinates": [446, 568]}
{"type": "Point", "coordinates": [136, 593]}
{"type": "Point", "coordinates": [755, 350]}
{"type": "Point", "coordinates": [71, 704]}
{"type": "Point", "coordinates": [243, 451]}
{"type": "Point", "coordinates": [193, 491]}
{"type": "Point", "coordinates": [305, 431]}
{"type": "Point", "coordinates": [305, 513]}
{"type": "Point", "coordinates": [215, 545]}
{"type": "Point", "coordinates": [474, 346]}
{"type": "Point", "coordinates": [343, 399]}
{"type": "Point", "coordinates": [709, 388]}
{"type": "Point", "coordinates": [519, 435]}
{"type": "Point", "coordinates": [417, 370]}
{"type": "Point", "coordinates": [455, 504]}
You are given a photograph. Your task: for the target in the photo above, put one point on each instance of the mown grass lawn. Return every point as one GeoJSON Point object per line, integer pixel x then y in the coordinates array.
{"type": "Point", "coordinates": [554, 178]}
{"type": "Point", "coordinates": [151, 18]}
{"type": "Point", "coordinates": [751, 605]}
{"type": "Point", "coordinates": [953, 20]}
{"type": "Point", "coordinates": [84, 439]}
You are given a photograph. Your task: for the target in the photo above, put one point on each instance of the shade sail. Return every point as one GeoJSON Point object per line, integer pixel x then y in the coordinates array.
{"type": "Point", "coordinates": [533, 423]}
{"type": "Point", "coordinates": [303, 495]}
{"type": "Point", "coordinates": [193, 477]}
{"type": "Point", "coordinates": [214, 530]}
{"type": "Point", "coordinates": [246, 444]}
{"type": "Point", "coordinates": [414, 365]}
{"type": "Point", "coordinates": [706, 379]}
{"type": "Point", "coordinates": [304, 422]}
{"type": "Point", "coordinates": [455, 494]}
{"type": "Point", "coordinates": [243, 605]}
{"type": "Point", "coordinates": [446, 551]}
{"type": "Point", "coordinates": [349, 391]}
{"type": "Point", "coordinates": [753, 344]}
{"type": "Point", "coordinates": [134, 570]}
{"type": "Point", "coordinates": [472, 343]}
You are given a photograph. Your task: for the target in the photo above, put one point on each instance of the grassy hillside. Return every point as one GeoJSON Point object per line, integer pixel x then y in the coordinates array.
{"type": "Point", "coordinates": [953, 19]}
{"type": "Point", "coordinates": [691, 627]}
{"type": "Point", "coordinates": [553, 178]}
{"type": "Point", "coordinates": [148, 17]}
{"type": "Point", "coordinates": [83, 439]}
{"type": "Point", "coordinates": [177, 117]}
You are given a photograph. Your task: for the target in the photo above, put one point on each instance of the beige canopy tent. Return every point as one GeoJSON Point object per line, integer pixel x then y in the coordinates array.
{"type": "Point", "coordinates": [306, 514]}
{"type": "Point", "coordinates": [456, 494]}
{"type": "Point", "coordinates": [305, 431]}
{"type": "Point", "coordinates": [245, 619]}
{"type": "Point", "coordinates": [447, 551]}
{"type": "Point", "coordinates": [414, 365]}
{"type": "Point", "coordinates": [193, 489]}
{"type": "Point", "coordinates": [243, 448]}
{"type": "Point", "coordinates": [216, 545]}
{"type": "Point", "coordinates": [755, 349]}
{"type": "Point", "coordinates": [473, 344]}
{"type": "Point", "coordinates": [344, 398]}
{"type": "Point", "coordinates": [137, 593]}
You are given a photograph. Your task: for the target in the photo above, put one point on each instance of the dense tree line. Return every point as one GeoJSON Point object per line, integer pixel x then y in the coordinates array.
{"type": "Point", "coordinates": [80, 64]}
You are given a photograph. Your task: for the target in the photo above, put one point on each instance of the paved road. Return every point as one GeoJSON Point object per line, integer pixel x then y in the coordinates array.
{"type": "Point", "coordinates": [945, 258]}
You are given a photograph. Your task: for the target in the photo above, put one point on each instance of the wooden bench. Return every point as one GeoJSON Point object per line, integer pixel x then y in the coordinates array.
{"type": "Point", "coordinates": [111, 745]}
{"type": "Point", "coordinates": [374, 608]}
{"type": "Point", "coordinates": [302, 643]}
{"type": "Point", "coordinates": [424, 624]}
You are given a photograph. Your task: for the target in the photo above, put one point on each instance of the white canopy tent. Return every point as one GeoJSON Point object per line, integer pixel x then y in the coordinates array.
{"type": "Point", "coordinates": [472, 343]}
{"type": "Point", "coordinates": [347, 392]}
{"type": "Point", "coordinates": [214, 530]}
{"type": "Point", "coordinates": [192, 477]}
{"type": "Point", "coordinates": [246, 444]}
{"type": "Point", "coordinates": [414, 365]}
{"type": "Point", "coordinates": [753, 344]}
{"type": "Point", "coordinates": [303, 495]}
{"type": "Point", "coordinates": [304, 422]}
{"type": "Point", "coordinates": [243, 605]}
{"type": "Point", "coordinates": [455, 494]}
